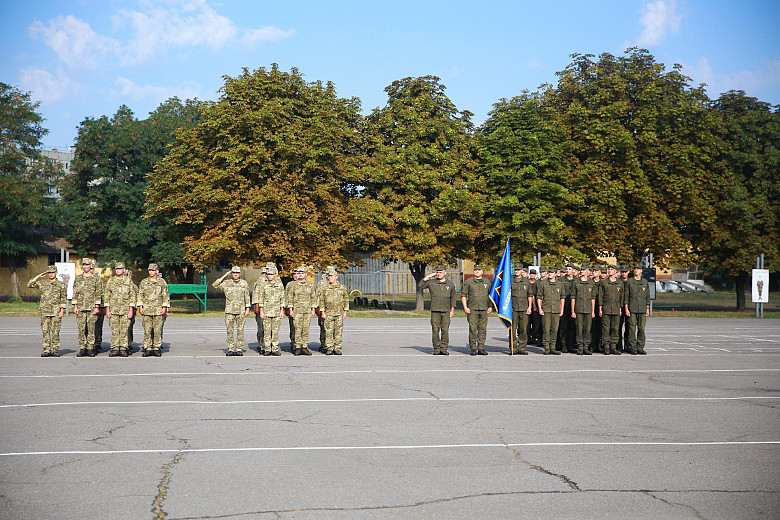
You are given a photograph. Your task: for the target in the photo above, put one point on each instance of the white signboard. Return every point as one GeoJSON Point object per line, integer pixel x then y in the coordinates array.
{"type": "Point", "coordinates": [760, 285]}
{"type": "Point", "coordinates": [66, 273]}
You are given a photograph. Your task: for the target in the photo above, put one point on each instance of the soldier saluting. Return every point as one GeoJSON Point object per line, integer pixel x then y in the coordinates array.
{"type": "Point", "coordinates": [52, 308]}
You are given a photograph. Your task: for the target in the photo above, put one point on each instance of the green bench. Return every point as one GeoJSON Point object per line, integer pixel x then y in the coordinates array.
{"type": "Point", "coordinates": [198, 290]}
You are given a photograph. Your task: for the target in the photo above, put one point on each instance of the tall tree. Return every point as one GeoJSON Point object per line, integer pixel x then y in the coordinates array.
{"type": "Point", "coordinates": [747, 191]}
{"type": "Point", "coordinates": [421, 200]}
{"type": "Point", "coordinates": [525, 162]}
{"type": "Point", "coordinates": [264, 176]}
{"type": "Point", "coordinates": [645, 139]}
{"type": "Point", "coordinates": [22, 202]}
{"type": "Point", "coordinates": [104, 201]}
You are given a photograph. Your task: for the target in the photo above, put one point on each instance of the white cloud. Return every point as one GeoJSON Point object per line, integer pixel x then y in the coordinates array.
{"type": "Point", "coordinates": [44, 87]}
{"type": "Point", "coordinates": [130, 89]}
{"type": "Point", "coordinates": [658, 18]}
{"type": "Point", "coordinates": [753, 82]}
{"type": "Point", "coordinates": [266, 33]}
{"type": "Point", "coordinates": [187, 24]}
{"type": "Point", "coordinates": [73, 40]}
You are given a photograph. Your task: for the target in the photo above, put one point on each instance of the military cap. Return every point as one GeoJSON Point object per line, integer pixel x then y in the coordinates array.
{"type": "Point", "coordinates": [532, 271]}
{"type": "Point", "coordinates": [301, 269]}
{"type": "Point", "coordinates": [441, 267]}
{"type": "Point", "coordinates": [119, 265]}
{"type": "Point", "coordinates": [576, 267]}
{"type": "Point", "coordinates": [264, 269]}
{"type": "Point", "coordinates": [542, 269]}
{"type": "Point", "coordinates": [585, 265]}
{"type": "Point", "coordinates": [638, 266]}
{"type": "Point", "coordinates": [86, 261]}
{"type": "Point", "coordinates": [519, 266]}
{"type": "Point", "coordinates": [603, 269]}
{"type": "Point", "coordinates": [331, 271]}
{"type": "Point", "coordinates": [51, 269]}
{"type": "Point", "coordinates": [570, 265]}
{"type": "Point", "coordinates": [478, 266]}
{"type": "Point", "coordinates": [235, 269]}
{"type": "Point", "coordinates": [152, 267]}
{"type": "Point", "coordinates": [270, 270]}
{"type": "Point", "coordinates": [270, 264]}
{"type": "Point", "coordinates": [624, 268]}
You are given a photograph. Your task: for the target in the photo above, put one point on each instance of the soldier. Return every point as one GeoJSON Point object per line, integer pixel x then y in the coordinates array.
{"type": "Point", "coordinates": [610, 303]}
{"type": "Point", "coordinates": [522, 305]}
{"type": "Point", "coordinates": [334, 305]}
{"type": "Point", "coordinates": [622, 345]}
{"type": "Point", "coordinates": [566, 328]}
{"type": "Point", "coordinates": [320, 320]}
{"type": "Point", "coordinates": [443, 301]}
{"type": "Point", "coordinates": [584, 306]}
{"type": "Point", "coordinates": [596, 343]}
{"type": "Point", "coordinates": [120, 295]}
{"type": "Point", "coordinates": [54, 300]}
{"type": "Point", "coordinates": [263, 278]}
{"type": "Point", "coordinates": [237, 304]}
{"type": "Point", "coordinates": [536, 318]}
{"type": "Point", "coordinates": [100, 318]}
{"type": "Point", "coordinates": [637, 309]}
{"type": "Point", "coordinates": [475, 298]}
{"type": "Point", "coordinates": [269, 305]}
{"type": "Point", "coordinates": [549, 298]}
{"type": "Point", "coordinates": [131, 321]}
{"type": "Point", "coordinates": [301, 300]}
{"type": "Point", "coordinates": [153, 303]}
{"type": "Point", "coordinates": [87, 292]}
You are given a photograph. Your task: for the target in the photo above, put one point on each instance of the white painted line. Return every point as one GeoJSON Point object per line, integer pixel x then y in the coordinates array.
{"type": "Point", "coordinates": [391, 447]}
{"type": "Point", "coordinates": [389, 399]}
{"type": "Point", "coordinates": [389, 371]}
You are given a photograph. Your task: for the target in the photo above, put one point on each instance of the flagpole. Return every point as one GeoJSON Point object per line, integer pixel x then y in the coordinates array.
{"type": "Point", "coordinates": [512, 339]}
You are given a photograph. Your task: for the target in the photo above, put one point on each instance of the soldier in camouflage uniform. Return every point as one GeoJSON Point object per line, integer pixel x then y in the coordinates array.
{"type": "Point", "coordinates": [443, 299]}
{"type": "Point", "coordinates": [610, 303]}
{"type": "Point", "coordinates": [237, 304]}
{"type": "Point", "coordinates": [637, 309]}
{"type": "Point", "coordinates": [131, 321]}
{"type": "Point", "coordinates": [476, 304]}
{"type": "Point", "coordinates": [153, 303]}
{"type": "Point", "coordinates": [120, 299]}
{"type": "Point", "coordinates": [263, 278]}
{"type": "Point", "coordinates": [54, 300]}
{"type": "Point", "coordinates": [334, 305]}
{"type": "Point", "coordinates": [320, 320]}
{"type": "Point", "coordinates": [268, 298]}
{"type": "Point", "coordinates": [87, 297]}
{"type": "Point", "coordinates": [301, 300]}
{"type": "Point", "coordinates": [549, 297]}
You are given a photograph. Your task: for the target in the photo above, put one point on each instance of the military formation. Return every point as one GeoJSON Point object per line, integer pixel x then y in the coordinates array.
{"type": "Point", "coordinates": [577, 308]}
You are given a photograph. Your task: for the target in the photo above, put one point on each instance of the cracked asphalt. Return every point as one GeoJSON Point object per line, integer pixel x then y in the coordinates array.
{"type": "Point", "coordinates": [690, 431]}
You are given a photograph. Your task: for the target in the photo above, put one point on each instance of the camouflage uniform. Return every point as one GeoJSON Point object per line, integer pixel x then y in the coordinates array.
{"type": "Point", "coordinates": [270, 297]}
{"type": "Point", "coordinates": [334, 301]}
{"type": "Point", "coordinates": [153, 296]}
{"type": "Point", "coordinates": [237, 301]}
{"type": "Point", "coordinates": [54, 296]}
{"type": "Point", "coordinates": [120, 296]}
{"type": "Point", "coordinates": [301, 298]}
{"type": "Point", "coordinates": [320, 320]}
{"type": "Point", "coordinates": [87, 294]}
{"type": "Point", "coordinates": [260, 331]}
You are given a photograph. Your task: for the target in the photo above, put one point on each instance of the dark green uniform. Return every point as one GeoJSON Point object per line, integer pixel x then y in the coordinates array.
{"type": "Point", "coordinates": [637, 298]}
{"type": "Point", "coordinates": [566, 329]}
{"type": "Point", "coordinates": [443, 299]}
{"type": "Point", "coordinates": [584, 296]}
{"type": "Point", "coordinates": [476, 292]}
{"type": "Point", "coordinates": [535, 321]}
{"type": "Point", "coordinates": [521, 291]}
{"type": "Point", "coordinates": [549, 294]}
{"type": "Point", "coordinates": [610, 301]}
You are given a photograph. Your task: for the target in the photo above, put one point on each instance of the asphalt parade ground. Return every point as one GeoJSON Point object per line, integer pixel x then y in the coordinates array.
{"type": "Point", "coordinates": [692, 430]}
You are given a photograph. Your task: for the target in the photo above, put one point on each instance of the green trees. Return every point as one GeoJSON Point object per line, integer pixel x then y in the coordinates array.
{"type": "Point", "coordinates": [747, 192]}
{"type": "Point", "coordinates": [22, 203]}
{"type": "Point", "coordinates": [104, 201]}
{"type": "Point", "coordinates": [644, 139]}
{"type": "Point", "coordinates": [420, 200]}
{"type": "Point", "coordinates": [264, 176]}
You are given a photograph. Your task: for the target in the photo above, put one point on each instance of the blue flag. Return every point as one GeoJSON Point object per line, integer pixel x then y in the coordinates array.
{"type": "Point", "coordinates": [501, 290]}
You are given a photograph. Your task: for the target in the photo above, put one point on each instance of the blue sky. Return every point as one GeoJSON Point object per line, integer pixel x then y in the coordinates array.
{"type": "Point", "coordinates": [85, 58]}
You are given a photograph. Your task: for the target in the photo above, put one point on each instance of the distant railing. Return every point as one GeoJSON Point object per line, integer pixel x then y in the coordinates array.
{"type": "Point", "coordinates": [198, 290]}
